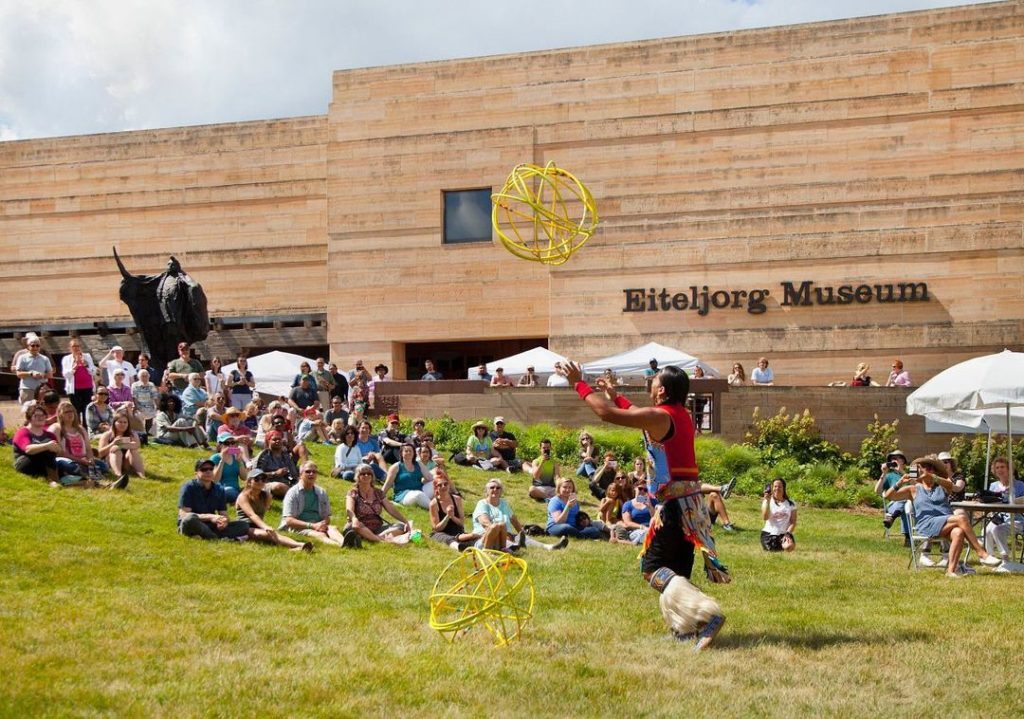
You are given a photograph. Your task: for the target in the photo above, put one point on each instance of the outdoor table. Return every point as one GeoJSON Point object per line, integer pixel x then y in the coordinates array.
{"type": "Point", "coordinates": [988, 509]}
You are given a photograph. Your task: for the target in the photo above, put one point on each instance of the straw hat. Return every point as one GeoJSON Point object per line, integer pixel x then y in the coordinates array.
{"type": "Point", "coordinates": [933, 465]}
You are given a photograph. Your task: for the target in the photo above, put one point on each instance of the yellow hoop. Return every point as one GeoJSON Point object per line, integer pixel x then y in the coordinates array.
{"type": "Point", "coordinates": [482, 586]}
{"type": "Point", "coordinates": [532, 214]}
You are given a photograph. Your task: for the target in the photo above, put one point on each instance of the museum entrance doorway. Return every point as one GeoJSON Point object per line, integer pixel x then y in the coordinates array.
{"type": "Point", "coordinates": [453, 359]}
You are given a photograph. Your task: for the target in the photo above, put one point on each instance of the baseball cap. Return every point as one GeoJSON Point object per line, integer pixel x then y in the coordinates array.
{"type": "Point", "coordinates": [204, 461]}
{"type": "Point", "coordinates": [499, 420]}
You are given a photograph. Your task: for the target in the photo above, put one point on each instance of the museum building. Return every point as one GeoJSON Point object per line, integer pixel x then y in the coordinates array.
{"type": "Point", "coordinates": [820, 194]}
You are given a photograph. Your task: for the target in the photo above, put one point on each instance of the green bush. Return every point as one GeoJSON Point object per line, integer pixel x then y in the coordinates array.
{"type": "Point", "coordinates": [969, 451]}
{"type": "Point", "coordinates": [796, 437]}
{"type": "Point", "coordinates": [881, 440]}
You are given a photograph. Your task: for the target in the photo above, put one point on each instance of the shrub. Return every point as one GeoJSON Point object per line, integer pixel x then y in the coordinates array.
{"type": "Point", "coordinates": [969, 451]}
{"type": "Point", "coordinates": [874, 448]}
{"type": "Point", "coordinates": [794, 437]}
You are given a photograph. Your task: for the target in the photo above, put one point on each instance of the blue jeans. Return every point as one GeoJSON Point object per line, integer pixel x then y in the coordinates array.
{"type": "Point", "coordinates": [68, 466]}
{"type": "Point", "coordinates": [896, 510]}
{"type": "Point", "coordinates": [586, 469]}
{"type": "Point", "coordinates": [567, 530]}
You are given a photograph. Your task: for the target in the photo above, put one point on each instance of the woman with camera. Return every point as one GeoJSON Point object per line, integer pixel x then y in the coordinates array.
{"type": "Point", "coordinates": [779, 514]}
{"type": "Point", "coordinates": [543, 471]}
{"type": "Point", "coordinates": [927, 486]}
{"type": "Point", "coordinates": [892, 470]}
{"type": "Point", "coordinates": [563, 514]}
{"type": "Point", "coordinates": [229, 467]}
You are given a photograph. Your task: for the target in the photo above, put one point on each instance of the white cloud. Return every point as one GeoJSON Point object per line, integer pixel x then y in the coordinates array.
{"type": "Point", "coordinates": [70, 67]}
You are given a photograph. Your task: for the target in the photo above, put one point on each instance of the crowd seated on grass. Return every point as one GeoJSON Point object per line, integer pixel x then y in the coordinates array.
{"type": "Point", "coordinates": [95, 436]}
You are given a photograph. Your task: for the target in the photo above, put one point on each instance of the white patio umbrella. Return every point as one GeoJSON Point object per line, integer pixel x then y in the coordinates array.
{"type": "Point", "coordinates": [992, 382]}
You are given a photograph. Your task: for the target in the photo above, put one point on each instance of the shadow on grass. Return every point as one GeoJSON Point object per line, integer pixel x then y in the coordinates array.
{"type": "Point", "coordinates": [816, 642]}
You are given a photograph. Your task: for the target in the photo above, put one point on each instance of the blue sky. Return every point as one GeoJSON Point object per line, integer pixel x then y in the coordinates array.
{"type": "Point", "coordinates": [71, 67]}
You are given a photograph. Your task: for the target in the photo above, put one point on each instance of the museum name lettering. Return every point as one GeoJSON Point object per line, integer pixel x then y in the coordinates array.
{"type": "Point", "coordinates": [805, 294]}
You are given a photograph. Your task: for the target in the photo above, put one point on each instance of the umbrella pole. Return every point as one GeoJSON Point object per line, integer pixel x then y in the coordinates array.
{"type": "Point", "coordinates": [988, 459]}
{"type": "Point", "coordinates": [1013, 482]}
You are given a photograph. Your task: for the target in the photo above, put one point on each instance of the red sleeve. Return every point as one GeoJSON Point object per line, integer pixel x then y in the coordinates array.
{"type": "Point", "coordinates": [22, 439]}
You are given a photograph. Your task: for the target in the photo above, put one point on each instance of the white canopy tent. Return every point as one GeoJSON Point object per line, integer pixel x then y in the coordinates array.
{"type": "Point", "coordinates": [540, 358]}
{"type": "Point", "coordinates": [274, 371]}
{"type": "Point", "coordinates": [635, 361]}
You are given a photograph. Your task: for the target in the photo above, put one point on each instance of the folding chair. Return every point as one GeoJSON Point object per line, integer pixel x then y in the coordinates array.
{"type": "Point", "coordinates": [917, 541]}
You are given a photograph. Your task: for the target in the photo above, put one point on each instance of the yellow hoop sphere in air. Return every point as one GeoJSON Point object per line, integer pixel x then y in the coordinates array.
{"type": "Point", "coordinates": [482, 586]}
{"type": "Point", "coordinates": [543, 214]}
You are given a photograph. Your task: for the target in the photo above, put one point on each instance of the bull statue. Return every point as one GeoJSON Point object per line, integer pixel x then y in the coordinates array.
{"type": "Point", "coordinates": [167, 308]}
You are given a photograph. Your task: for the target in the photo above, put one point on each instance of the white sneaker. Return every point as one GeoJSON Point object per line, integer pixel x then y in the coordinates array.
{"type": "Point", "coordinates": [944, 562]}
{"type": "Point", "coordinates": [991, 561]}
{"type": "Point", "coordinates": [926, 561]}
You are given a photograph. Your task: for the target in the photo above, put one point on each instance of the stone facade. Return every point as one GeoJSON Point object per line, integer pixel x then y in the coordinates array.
{"type": "Point", "coordinates": [862, 152]}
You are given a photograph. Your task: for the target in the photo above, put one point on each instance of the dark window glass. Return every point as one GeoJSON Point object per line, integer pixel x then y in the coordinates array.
{"type": "Point", "coordinates": [467, 216]}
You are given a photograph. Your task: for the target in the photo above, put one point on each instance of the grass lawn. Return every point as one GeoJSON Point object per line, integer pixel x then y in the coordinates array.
{"type": "Point", "coordinates": [108, 612]}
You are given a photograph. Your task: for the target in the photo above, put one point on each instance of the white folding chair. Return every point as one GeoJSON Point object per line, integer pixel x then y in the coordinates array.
{"type": "Point", "coordinates": [917, 541]}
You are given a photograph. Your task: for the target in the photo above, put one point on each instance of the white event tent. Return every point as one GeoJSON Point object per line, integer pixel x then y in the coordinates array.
{"type": "Point", "coordinates": [635, 361]}
{"type": "Point", "coordinates": [540, 358]}
{"type": "Point", "coordinates": [274, 372]}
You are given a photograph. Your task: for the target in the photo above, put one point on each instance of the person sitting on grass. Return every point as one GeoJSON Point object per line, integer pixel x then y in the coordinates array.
{"type": "Point", "coordinates": [35, 448]}
{"type": "Point", "coordinates": [563, 511]}
{"type": "Point", "coordinates": [120, 447]}
{"type": "Point", "coordinates": [337, 411]}
{"type": "Point", "coordinates": [779, 513]}
{"type": "Point", "coordinates": [494, 522]}
{"type": "Point", "coordinates": [76, 455]}
{"type": "Point", "coordinates": [98, 413]}
{"type": "Point", "coordinates": [278, 465]}
{"type": "Point", "coordinates": [506, 444]}
{"type": "Point", "coordinates": [336, 432]}
{"type": "Point", "coordinates": [312, 427]}
{"type": "Point", "coordinates": [369, 446]}
{"type": "Point", "coordinates": [610, 509]}
{"type": "Point", "coordinates": [347, 456]}
{"type": "Point", "coordinates": [365, 503]}
{"type": "Point", "coordinates": [170, 428]}
{"type": "Point", "coordinates": [636, 517]}
{"type": "Point", "coordinates": [194, 399]}
{"type": "Point", "coordinates": [544, 471]}
{"type": "Point", "coordinates": [638, 475]}
{"type": "Point", "coordinates": [216, 416]}
{"type": "Point", "coordinates": [933, 516]}
{"type": "Point", "coordinates": [391, 440]}
{"type": "Point", "coordinates": [306, 510]}
{"type": "Point", "coordinates": [231, 470]}
{"type": "Point", "coordinates": [604, 475]}
{"type": "Point", "coordinates": [588, 456]}
{"type": "Point", "coordinates": [251, 506]}
{"type": "Point", "coordinates": [410, 479]}
{"type": "Point", "coordinates": [447, 515]}
{"type": "Point", "coordinates": [203, 508]}
{"type": "Point", "coordinates": [714, 495]}
{"type": "Point", "coordinates": [480, 451]}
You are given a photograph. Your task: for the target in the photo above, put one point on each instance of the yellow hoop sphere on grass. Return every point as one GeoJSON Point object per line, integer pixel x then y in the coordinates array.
{"type": "Point", "coordinates": [543, 214]}
{"type": "Point", "coordinates": [482, 586]}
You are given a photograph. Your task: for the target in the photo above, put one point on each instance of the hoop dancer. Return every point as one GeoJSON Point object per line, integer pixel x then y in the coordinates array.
{"type": "Point", "coordinates": [680, 524]}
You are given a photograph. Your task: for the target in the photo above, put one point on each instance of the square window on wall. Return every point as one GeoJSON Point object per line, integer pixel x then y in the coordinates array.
{"type": "Point", "coordinates": [467, 216]}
